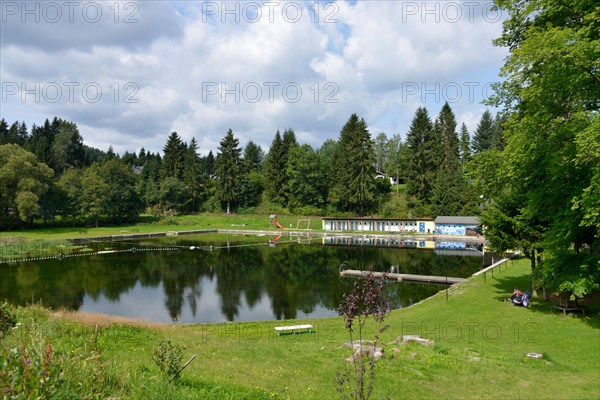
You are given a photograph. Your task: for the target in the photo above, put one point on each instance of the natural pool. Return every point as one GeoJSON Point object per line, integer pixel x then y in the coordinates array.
{"type": "Point", "coordinates": [216, 278]}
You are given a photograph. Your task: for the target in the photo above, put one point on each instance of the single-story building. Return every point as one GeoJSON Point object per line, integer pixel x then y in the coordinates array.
{"type": "Point", "coordinates": [414, 225]}
{"type": "Point", "coordinates": [463, 226]}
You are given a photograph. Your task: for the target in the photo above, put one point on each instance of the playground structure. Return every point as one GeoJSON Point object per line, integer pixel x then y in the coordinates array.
{"type": "Point", "coordinates": [273, 219]}
{"type": "Point", "coordinates": [301, 222]}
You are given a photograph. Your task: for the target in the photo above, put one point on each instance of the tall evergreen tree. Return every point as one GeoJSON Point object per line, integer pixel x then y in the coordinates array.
{"type": "Point", "coordinates": [445, 194]}
{"type": "Point", "coordinates": [173, 157]}
{"type": "Point", "coordinates": [251, 186]}
{"type": "Point", "coordinates": [41, 140]}
{"type": "Point", "coordinates": [275, 171]}
{"type": "Point", "coordinates": [354, 168]}
{"type": "Point", "coordinates": [421, 166]}
{"type": "Point", "coordinates": [446, 132]}
{"type": "Point", "coordinates": [484, 133]}
{"type": "Point", "coordinates": [465, 144]}
{"type": "Point", "coordinates": [209, 164]}
{"type": "Point", "coordinates": [141, 157]}
{"type": "Point", "coordinates": [289, 143]}
{"type": "Point", "coordinates": [228, 168]}
{"type": "Point", "coordinates": [253, 157]}
{"type": "Point", "coordinates": [110, 154]}
{"type": "Point", "coordinates": [17, 134]}
{"type": "Point", "coordinates": [192, 175]}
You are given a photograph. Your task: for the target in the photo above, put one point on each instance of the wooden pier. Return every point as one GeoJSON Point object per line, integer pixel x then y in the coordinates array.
{"type": "Point", "coordinates": [353, 273]}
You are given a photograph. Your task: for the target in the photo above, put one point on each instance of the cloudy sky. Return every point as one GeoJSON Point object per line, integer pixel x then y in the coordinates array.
{"type": "Point", "coordinates": [130, 72]}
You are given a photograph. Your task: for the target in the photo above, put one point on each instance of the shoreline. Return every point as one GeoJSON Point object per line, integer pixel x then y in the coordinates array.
{"type": "Point", "coordinates": [299, 233]}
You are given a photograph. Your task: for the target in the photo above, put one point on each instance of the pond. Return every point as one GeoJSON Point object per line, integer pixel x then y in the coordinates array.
{"type": "Point", "coordinates": [216, 278]}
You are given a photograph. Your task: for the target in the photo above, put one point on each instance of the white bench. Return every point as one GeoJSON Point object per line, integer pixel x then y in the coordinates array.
{"type": "Point", "coordinates": [294, 329]}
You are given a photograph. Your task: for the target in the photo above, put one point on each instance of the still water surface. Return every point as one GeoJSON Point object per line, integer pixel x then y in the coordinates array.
{"type": "Point", "coordinates": [216, 278]}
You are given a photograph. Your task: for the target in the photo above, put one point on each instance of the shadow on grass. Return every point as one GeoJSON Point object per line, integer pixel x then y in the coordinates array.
{"type": "Point", "coordinates": [504, 286]}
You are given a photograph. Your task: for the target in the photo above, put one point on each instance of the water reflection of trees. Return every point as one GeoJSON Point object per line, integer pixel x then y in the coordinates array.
{"type": "Point", "coordinates": [295, 278]}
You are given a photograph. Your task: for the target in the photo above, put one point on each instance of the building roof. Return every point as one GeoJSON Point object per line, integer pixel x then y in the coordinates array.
{"type": "Point", "coordinates": [453, 220]}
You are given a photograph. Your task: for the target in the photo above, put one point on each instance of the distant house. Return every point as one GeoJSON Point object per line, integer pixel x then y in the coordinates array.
{"type": "Point", "coordinates": [381, 175]}
{"type": "Point", "coordinates": [463, 226]}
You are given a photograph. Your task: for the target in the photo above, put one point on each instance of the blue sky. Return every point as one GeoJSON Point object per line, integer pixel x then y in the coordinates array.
{"type": "Point", "coordinates": [128, 73]}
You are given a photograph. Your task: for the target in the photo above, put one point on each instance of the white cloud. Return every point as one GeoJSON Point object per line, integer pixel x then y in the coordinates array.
{"type": "Point", "coordinates": [169, 70]}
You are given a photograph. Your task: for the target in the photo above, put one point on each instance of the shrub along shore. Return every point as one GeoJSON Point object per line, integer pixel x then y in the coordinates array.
{"type": "Point", "coordinates": [479, 350]}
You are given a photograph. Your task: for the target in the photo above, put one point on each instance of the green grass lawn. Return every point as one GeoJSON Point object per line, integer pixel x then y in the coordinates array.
{"type": "Point", "coordinates": [176, 223]}
{"type": "Point", "coordinates": [479, 352]}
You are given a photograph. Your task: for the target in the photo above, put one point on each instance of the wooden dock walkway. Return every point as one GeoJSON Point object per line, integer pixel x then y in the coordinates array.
{"type": "Point", "coordinates": [404, 277]}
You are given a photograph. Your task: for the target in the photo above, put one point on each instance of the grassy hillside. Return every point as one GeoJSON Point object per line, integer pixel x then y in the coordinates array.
{"type": "Point", "coordinates": [479, 352]}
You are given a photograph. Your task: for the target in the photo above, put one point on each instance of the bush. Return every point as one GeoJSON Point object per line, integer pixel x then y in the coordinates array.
{"type": "Point", "coordinates": [29, 373]}
{"type": "Point", "coordinates": [168, 356]}
{"type": "Point", "coordinates": [8, 318]}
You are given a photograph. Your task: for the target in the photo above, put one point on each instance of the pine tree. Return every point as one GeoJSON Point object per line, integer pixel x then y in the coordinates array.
{"type": "Point", "coordinates": [289, 143]}
{"type": "Point", "coordinates": [465, 144]}
{"type": "Point", "coordinates": [354, 168]}
{"type": "Point", "coordinates": [209, 164]}
{"type": "Point", "coordinates": [484, 134]}
{"type": "Point", "coordinates": [275, 171]}
{"type": "Point", "coordinates": [251, 186]}
{"type": "Point", "coordinates": [446, 131]}
{"type": "Point", "coordinates": [253, 157]}
{"type": "Point", "coordinates": [41, 140]}
{"type": "Point", "coordinates": [228, 168]}
{"type": "Point", "coordinates": [192, 174]}
{"type": "Point", "coordinates": [421, 164]}
{"type": "Point", "coordinates": [16, 134]}
{"type": "Point", "coordinates": [110, 154]}
{"type": "Point", "coordinates": [445, 193]}
{"type": "Point", "coordinates": [173, 157]}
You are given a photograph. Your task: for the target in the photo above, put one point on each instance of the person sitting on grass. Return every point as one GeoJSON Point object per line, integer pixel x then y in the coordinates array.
{"type": "Point", "coordinates": [516, 295]}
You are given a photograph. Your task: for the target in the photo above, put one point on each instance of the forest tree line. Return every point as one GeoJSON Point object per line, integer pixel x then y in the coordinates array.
{"type": "Point", "coordinates": [48, 174]}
